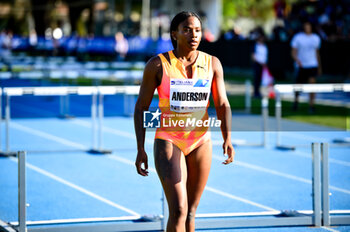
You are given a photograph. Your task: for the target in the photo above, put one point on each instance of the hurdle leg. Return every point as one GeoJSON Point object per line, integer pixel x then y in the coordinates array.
{"type": "Point", "coordinates": [93, 122]}
{"type": "Point", "coordinates": [278, 112]}
{"type": "Point", "coordinates": [100, 121]}
{"type": "Point", "coordinates": [248, 86]}
{"type": "Point", "coordinates": [7, 116]}
{"type": "Point", "coordinates": [316, 183]}
{"type": "Point", "coordinates": [265, 117]}
{"type": "Point", "coordinates": [98, 137]}
{"type": "Point", "coordinates": [22, 211]}
{"type": "Point", "coordinates": [325, 184]}
{"type": "Point", "coordinates": [278, 106]}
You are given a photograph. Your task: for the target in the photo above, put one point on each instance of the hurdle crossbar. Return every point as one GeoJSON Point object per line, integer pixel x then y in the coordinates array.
{"type": "Point", "coordinates": [281, 89]}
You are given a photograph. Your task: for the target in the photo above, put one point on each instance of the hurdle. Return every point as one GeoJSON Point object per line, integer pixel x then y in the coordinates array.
{"type": "Point", "coordinates": [247, 110]}
{"type": "Point", "coordinates": [129, 94]}
{"type": "Point", "coordinates": [264, 128]}
{"type": "Point", "coordinates": [320, 215]}
{"type": "Point", "coordinates": [43, 91]}
{"type": "Point", "coordinates": [97, 109]}
{"type": "Point", "coordinates": [281, 89]}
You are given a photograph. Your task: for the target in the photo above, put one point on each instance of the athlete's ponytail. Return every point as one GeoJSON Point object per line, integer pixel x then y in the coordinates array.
{"type": "Point", "coordinates": [179, 18]}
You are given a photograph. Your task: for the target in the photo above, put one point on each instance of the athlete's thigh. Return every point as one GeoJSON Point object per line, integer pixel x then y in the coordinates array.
{"type": "Point", "coordinates": [171, 168]}
{"type": "Point", "coordinates": [198, 168]}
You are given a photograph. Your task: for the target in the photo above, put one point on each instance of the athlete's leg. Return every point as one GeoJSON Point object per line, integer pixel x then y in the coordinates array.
{"type": "Point", "coordinates": [171, 168]}
{"type": "Point", "coordinates": [198, 167]}
{"type": "Point", "coordinates": [257, 79]}
{"type": "Point", "coordinates": [299, 80]}
{"type": "Point", "coordinates": [312, 80]}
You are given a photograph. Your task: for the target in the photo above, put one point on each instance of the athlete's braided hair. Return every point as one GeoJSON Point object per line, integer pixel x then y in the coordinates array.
{"type": "Point", "coordinates": [179, 18]}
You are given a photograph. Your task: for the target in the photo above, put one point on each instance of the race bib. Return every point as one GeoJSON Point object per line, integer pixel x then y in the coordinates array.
{"type": "Point", "coordinates": [189, 95]}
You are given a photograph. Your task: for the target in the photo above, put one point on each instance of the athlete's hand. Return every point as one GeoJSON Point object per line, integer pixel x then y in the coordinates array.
{"type": "Point", "coordinates": [299, 63]}
{"type": "Point", "coordinates": [142, 159]}
{"type": "Point", "coordinates": [229, 151]}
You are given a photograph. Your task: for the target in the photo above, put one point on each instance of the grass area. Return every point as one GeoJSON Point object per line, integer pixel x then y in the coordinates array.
{"type": "Point", "coordinates": [332, 116]}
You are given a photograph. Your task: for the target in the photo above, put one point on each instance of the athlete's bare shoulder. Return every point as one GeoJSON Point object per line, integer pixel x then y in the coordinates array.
{"type": "Point", "coordinates": [217, 67]}
{"type": "Point", "coordinates": [154, 63]}
{"type": "Point", "coordinates": [153, 70]}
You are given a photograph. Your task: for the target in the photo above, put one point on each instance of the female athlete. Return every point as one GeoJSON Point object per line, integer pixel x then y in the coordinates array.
{"type": "Point", "coordinates": [184, 78]}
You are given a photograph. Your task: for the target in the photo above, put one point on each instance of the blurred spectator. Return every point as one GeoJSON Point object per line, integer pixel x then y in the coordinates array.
{"type": "Point", "coordinates": [305, 52]}
{"type": "Point", "coordinates": [259, 57]}
{"type": "Point", "coordinates": [82, 23]}
{"type": "Point", "coordinates": [5, 45]}
{"type": "Point", "coordinates": [279, 32]}
{"type": "Point", "coordinates": [208, 36]}
{"type": "Point", "coordinates": [33, 40]}
{"type": "Point", "coordinates": [121, 46]}
{"type": "Point", "coordinates": [233, 34]}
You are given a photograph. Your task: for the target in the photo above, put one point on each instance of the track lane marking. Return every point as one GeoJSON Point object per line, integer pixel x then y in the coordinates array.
{"type": "Point", "coordinates": [210, 189]}
{"type": "Point", "coordinates": [78, 188]}
{"type": "Point", "coordinates": [121, 133]}
{"type": "Point", "coordinates": [240, 163]}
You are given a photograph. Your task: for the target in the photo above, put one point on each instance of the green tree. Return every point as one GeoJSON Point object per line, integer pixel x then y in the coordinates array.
{"type": "Point", "coordinates": [258, 10]}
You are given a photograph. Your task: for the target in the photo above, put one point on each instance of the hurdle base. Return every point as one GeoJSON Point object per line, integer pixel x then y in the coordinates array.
{"type": "Point", "coordinates": [99, 152]}
{"type": "Point", "coordinates": [149, 218]}
{"type": "Point", "coordinates": [6, 227]}
{"type": "Point", "coordinates": [66, 116]}
{"type": "Point", "coordinates": [342, 141]}
{"type": "Point", "coordinates": [7, 154]}
{"type": "Point", "coordinates": [291, 213]}
{"type": "Point", "coordinates": [285, 148]}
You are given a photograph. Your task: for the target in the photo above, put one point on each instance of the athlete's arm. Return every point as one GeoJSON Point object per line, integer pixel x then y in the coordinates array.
{"type": "Point", "coordinates": [295, 56]}
{"type": "Point", "coordinates": [223, 109]}
{"type": "Point", "coordinates": [148, 85]}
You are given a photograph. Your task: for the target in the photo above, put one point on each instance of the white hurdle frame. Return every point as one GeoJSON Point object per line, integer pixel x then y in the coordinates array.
{"type": "Point", "coordinates": [281, 89]}
{"type": "Point", "coordinates": [97, 108]}
{"type": "Point", "coordinates": [319, 216]}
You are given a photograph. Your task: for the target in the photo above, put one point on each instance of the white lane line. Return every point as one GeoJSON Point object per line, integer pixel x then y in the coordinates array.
{"type": "Point", "coordinates": [304, 137]}
{"type": "Point", "coordinates": [47, 136]}
{"type": "Point", "coordinates": [329, 229]}
{"type": "Point", "coordinates": [277, 173]}
{"type": "Point", "coordinates": [267, 170]}
{"type": "Point", "coordinates": [129, 162]}
{"type": "Point", "coordinates": [110, 130]}
{"type": "Point", "coordinates": [78, 188]}
{"type": "Point", "coordinates": [217, 141]}
{"type": "Point", "coordinates": [238, 198]}
{"type": "Point", "coordinates": [331, 160]}
{"type": "Point", "coordinates": [251, 166]}
{"type": "Point", "coordinates": [60, 140]}
{"type": "Point", "coordinates": [210, 189]}
{"type": "Point", "coordinates": [240, 163]}
{"type": "Point", "coordinates": [294, 153]}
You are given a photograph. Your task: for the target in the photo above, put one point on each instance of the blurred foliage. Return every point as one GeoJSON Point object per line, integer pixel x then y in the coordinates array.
{"type": "Point", "coordinates": [258, 10]}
